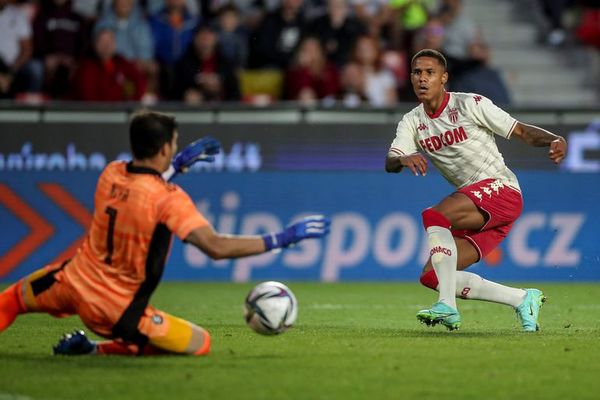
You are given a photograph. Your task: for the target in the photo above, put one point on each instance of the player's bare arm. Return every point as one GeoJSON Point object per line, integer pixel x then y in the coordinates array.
{"type": "Point", "coordinates": [538, 137]}
{"type": "Point", "coordinates": [416, 162]}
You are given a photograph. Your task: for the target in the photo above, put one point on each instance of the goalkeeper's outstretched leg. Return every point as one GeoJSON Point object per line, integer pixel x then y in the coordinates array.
{"type": "Point", "coordinates": [10, 306]}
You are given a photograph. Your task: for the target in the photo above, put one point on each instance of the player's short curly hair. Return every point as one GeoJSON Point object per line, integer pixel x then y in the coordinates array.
{"type": "Point", "coordinates": [433, 54]}
{"type": "Point", "coordinates": [149, 131]}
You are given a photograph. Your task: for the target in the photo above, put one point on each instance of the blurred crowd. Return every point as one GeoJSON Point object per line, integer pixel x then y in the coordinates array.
{"type": "Point", "coordinates": [567, 20]}
{"type": "Point", "coordinates": [255, 51]}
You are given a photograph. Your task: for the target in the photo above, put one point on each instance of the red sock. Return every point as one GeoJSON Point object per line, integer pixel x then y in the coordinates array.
{"type": "Point", "coordinates": [119, 348]}
{"type": "Point", "coordinates": [150, 350]}
{"type": "Point", "coordinates": [429, 279]}
{"type": "Point", "coordinates": [116, 348]}
{"type": "Point", "coordinates": [10, 306]}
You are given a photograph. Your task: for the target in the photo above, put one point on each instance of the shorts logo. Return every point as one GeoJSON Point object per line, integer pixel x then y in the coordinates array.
{"type": "Point", "coordinates": [477, 194]}
{"type": "Point", "coordinates": [477, 99]}
{"type": "Point", "coordinates": [489, 189]}
{"type": "Point", "coordinates": [157, 319]}
{"type": "Point", "coordinates": [440, 249]}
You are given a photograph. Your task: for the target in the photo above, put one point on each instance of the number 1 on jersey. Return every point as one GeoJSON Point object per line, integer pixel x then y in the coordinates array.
{"type": "Point", "coordinates": [112, 216]}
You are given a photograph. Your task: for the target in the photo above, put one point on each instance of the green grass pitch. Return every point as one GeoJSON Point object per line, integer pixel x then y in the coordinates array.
{"type": "Point", "coordinates": [351, 341]}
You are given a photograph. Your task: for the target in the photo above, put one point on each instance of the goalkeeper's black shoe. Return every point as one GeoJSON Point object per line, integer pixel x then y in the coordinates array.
{"type": "Point", "coordinates": [74, 344]}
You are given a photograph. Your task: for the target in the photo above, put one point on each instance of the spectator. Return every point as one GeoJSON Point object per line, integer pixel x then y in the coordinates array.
{"type": "Point", "coordinates": [59, 41]}
{"type": "Point", "coordinates": [312, 77]}
{"type": "Point", "coordinates": [408, 16]}
{"type": "Point", "coordinates": [133, 36]}
{"type": "Point", "coordinates": [108, 76]}
{"type": "Point", "coordinates": [431, 36]}
{"type": "Point", "coordinates": [172, 29]}
{"type": "Point", "coordinates": [90, 9]}
{"type": "Point", "coordinates": [375, 15]}
{"type": "Point", "coordinates": [467, 53]}
{"type": "Point", "coordinates": [396, 62]}
{"type": "Point", "coordinates": [352, 85]}
{"type": "Point", "coordinates": [314, 9]}
{"type": "Point", "coordinates": [203, 74]}
{"type": "Point", "coordinates": [380, 85]}
{"type": "Point", "coordinates": [250, 12]}
{"type": "Point", "coordinates": [479, 77]}
{"type": "Point", "coordinates": [553, 11]}
{"type": "Point", "coordinates": [278, 36]}
{"type": "Point", "coordinates": [588, 29]}
{"type": "Point", "coordinates": [132, 31]}
{"type": "Point", "coordinates": [233, 38]}
{"type": "Point", "coordinates": [338, 30]}
{"type": "Point", "coordinates": [460, 31]}
{"type": "Point", "coordinates": [17, 74]}
{"type": "Point", "coordinates": [152, 7]}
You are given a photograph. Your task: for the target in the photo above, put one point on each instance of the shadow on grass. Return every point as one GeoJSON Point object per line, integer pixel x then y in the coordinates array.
{"type": "Point", "coordinates": [419, 332]}
{"type": "Point", "coordinates": [50, 362]}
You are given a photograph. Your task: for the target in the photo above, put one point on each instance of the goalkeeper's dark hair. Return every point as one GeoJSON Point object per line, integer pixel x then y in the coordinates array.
{"type": "Point", "coordinates": [433, 54]}
{"type": "Point", "coordinates": [149, 131]}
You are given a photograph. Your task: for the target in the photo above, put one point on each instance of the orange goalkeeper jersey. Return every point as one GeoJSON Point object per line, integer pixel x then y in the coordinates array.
{"type": "Point", "coordinates": [122, 258]}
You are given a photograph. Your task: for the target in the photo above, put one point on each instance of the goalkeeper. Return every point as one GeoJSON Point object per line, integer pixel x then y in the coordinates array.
{"type": "Point", "coordinates": [110, 280]}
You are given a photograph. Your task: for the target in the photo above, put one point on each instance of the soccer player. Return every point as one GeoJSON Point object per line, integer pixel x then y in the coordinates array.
{"type": "Point", "coordinates": [110, 280]}
{"type": "Point", "coordinates": [456, 132]}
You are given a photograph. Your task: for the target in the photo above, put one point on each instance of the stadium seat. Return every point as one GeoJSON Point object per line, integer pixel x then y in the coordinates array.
{"type": "Point", "coordinates": [261, 86]}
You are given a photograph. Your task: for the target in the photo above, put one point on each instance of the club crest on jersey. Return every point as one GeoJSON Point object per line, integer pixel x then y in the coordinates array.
{"type": "Point", "coordinates": [421, 127]}
{"type": "Point", "coordinates": [453, 115]}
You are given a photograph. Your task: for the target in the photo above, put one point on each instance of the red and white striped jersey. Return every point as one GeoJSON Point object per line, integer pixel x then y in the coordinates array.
{"type": "Point", "coordinates": [459, 139]}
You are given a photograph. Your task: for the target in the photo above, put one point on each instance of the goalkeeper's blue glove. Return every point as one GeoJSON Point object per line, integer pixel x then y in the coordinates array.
{"type": "Point", "coordinates": [314, 226]}
{"type": "Point", "coordinates": [201, 150]}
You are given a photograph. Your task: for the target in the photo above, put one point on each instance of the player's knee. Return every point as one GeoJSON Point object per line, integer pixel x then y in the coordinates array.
{"type": "Point", "coordinates": [429, 279]}
{"type": "Point", "coordinates": [432, 217]}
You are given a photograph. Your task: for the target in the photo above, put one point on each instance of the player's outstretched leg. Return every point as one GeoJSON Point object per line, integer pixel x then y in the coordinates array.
{"type": "Point", "coordinates": [165, 334]}
{"type": "Point", "coordinates": [77, 344]}
{"type": "Point", "coordinates": [528, 311]}
{"type": "Point", "coordinates": [10, 306]}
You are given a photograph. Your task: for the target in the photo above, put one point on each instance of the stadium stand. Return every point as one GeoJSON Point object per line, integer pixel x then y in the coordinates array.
{"type": "Point", "coordinates": [521, 52]}
{"type": "Point", "coordinates": [534, 70]}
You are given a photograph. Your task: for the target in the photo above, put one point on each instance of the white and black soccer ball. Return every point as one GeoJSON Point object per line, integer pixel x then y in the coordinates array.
{"type": "Point", "coordinates": [270, 308]}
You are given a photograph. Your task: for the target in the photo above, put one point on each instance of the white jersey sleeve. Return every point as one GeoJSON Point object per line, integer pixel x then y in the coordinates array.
{"type": "Point", "coordinates": [485, 113]}
{"type": "Point", "coordinates": [404, 143]}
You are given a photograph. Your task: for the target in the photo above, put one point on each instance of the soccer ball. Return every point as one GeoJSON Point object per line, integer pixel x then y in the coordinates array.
{"type": "Point", "coordinates": [270, 308]}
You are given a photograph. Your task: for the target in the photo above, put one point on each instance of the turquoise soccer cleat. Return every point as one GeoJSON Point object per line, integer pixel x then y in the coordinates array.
{"type": "Point", "coordinates": [74, 344]}
{"type": "Point", "coordinates": [440, 313]}
{"type": "Point", "coordinates": [528, 311]}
